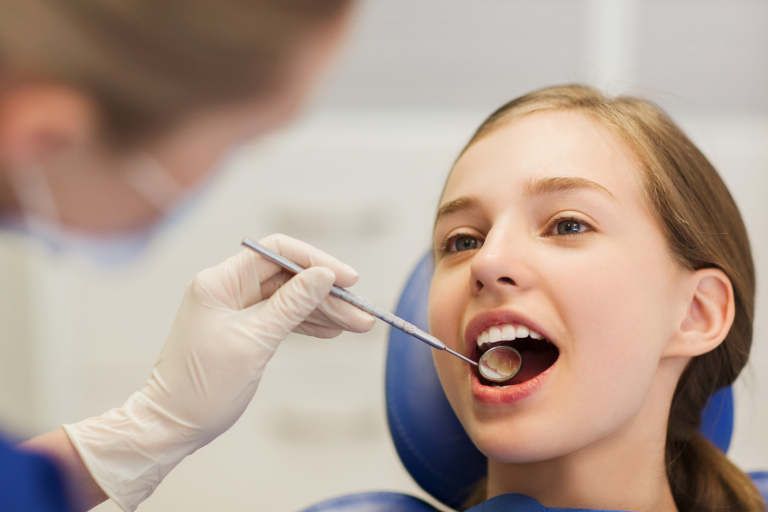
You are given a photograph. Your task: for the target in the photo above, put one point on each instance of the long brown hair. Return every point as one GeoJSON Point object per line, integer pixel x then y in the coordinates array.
{"type": "Point", "coordinates": [149, 62]}
{"type": "Point", "coordinates": [704, 229]}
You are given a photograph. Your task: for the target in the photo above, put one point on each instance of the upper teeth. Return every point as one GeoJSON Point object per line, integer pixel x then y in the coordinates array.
{"type": "Point", "coordinates": [505, 332]}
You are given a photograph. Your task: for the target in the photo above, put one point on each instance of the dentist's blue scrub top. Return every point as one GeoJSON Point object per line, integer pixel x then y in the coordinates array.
{"type": "Point", "coordinates": [29, 483]}
{"type": "Point", "coordinates": [521, 503]}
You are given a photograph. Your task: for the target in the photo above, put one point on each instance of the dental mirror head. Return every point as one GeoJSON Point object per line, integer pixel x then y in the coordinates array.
{"type": "Point", "coordinates": [500, 364]}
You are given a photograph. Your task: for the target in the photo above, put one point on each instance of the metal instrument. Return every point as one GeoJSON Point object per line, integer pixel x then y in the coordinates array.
{"type": "Point", "coordinates": [359, 302]}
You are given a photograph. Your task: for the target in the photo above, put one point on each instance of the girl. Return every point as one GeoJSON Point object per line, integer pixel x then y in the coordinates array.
{"type": "Point", "coordinates": [593, 236]}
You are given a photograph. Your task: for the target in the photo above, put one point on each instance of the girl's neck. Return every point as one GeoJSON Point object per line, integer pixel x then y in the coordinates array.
{"type": "Point", "coordinates": [623, 471]}
{"type": "Point", "coordinates": [585, 481]}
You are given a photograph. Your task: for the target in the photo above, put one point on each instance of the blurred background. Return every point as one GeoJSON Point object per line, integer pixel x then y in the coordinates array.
{"type": "Point", "coordinates": [358, 175]}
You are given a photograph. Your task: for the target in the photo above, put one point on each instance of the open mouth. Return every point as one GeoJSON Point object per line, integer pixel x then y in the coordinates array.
{"type": "Point", "coordinates": [536, 352]}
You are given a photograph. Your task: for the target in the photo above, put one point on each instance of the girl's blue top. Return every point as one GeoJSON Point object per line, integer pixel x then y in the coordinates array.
{"type": "Point", "coordinates": [521, 503]}
{"type": "Point", "coordinates": [29, 483]}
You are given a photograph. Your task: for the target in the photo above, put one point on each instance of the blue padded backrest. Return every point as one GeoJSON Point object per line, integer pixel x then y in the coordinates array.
{"type": "Point", "coordinates": [429, 438]}
{"type": "Point", "coordinates": [427, 434]}
{"type": "Point", "coordinates": [373, 502]}
{"type": "Point", "coordinates": [760, 478]}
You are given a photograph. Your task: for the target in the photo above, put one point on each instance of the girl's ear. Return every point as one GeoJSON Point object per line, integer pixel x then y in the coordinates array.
{"type": "Point", "coordinates": [39, 120]}
{"type": "Point", "coordinates": [709, 315]}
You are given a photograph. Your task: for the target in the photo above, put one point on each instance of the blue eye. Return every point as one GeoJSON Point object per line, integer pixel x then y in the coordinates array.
{"type": "Point", "coordinates": [569, 227]}
{"type": "Point", "coordinates": [461, 243]}
{"type": "Point", "coordinates": [564, 227]}
{"type": "Point", "coordinates": [466, 243]}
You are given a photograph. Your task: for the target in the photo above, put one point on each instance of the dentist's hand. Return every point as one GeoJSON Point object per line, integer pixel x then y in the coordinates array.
{"type": "Point", "coordinates": [231, 320]}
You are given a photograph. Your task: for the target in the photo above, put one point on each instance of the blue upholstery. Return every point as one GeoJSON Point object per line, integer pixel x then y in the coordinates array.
{"type": "Point", "coordinates": [717, 419]}
{"type": "Point", "coordinates": [29, 482]}
{"type": "Point", "coordinates": [429, 438]}
{"type": "Point", "coordinates": [760, 478]}
{"type": "Point", "coordinates": [373, 502]}
{"type": "Point", "coordinates": [522, 503]}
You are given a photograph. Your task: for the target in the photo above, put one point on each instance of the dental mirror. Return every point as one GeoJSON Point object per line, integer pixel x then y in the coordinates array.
{"type": "Point", "coordinates": [500, 364]}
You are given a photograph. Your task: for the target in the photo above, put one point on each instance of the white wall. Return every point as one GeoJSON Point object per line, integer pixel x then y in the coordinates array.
{"type": "Point", "coordinates": [359, 176]}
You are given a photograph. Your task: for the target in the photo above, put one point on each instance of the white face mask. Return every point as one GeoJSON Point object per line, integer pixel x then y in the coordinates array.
{"type": "Point", "coordinates": [40, 218]}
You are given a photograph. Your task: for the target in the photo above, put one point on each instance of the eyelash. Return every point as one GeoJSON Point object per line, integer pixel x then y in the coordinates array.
{"type": "Point", "coordinates": [570, 218]}
{"type": "Point", "coordinates": [448, 241]}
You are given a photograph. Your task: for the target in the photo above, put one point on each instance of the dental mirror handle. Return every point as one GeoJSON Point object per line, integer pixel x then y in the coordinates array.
{"type": "Point", "coordinates": [347, 296]}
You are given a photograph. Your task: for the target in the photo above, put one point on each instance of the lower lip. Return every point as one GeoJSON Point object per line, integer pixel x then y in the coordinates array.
{"type": "Point", "coordinates": [507, 394]}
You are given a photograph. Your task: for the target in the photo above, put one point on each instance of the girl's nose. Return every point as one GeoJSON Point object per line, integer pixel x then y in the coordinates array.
{"type": "Point", "coordinates": [496, 268]}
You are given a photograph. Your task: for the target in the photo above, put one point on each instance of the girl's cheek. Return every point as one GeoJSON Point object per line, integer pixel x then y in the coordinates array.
{"type": "Point", "coordinates": [612, 315]}
{"type": "Point", "coordinates": [440, 310]}
{"type": "Point", "coordinates": [447, 305]}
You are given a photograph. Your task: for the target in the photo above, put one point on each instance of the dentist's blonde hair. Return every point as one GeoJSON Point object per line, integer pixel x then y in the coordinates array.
{"type": "Point", "coordinates": [704, 229]}
{"type": "Point", "coordinates": [147, 63]}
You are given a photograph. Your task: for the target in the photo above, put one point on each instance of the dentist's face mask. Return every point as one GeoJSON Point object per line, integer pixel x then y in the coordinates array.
{"type": "Point", "coordinates": [41, 220]}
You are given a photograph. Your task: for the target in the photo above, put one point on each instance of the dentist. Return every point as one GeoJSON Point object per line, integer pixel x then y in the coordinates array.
{"type": "Point", "coordinates": [111, 114]}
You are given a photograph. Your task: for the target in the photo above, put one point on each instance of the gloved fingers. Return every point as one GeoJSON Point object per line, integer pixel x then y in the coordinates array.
{"type": "Point", "coordinates": [234, 284]}
{"type": "Point", "coordinates": [333, 312]}
{"type": "Point", "coordinates": [308, 256]}
{"type": "Point", "coordinates": [237, 282]}
{"type": "Point", "coordinates": [290, 305]}
{"type": "Point", "coordinates": [270, 286]}
{"type": "Point", "coordinates": [318, 318]}
{"type": "Point", "coordinates": [345, 316]}
{"type": "Point", "coordinates": [317, 331]}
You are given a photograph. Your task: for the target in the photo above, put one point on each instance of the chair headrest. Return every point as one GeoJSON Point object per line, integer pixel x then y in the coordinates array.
{"type": "Point", "coordinates": [373, 502]}
{"type": "Point", "coordinates": [429, 439]}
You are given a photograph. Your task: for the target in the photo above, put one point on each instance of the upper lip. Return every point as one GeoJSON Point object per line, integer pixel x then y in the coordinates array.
{"type": "Point", "coordinates": [482, 321]}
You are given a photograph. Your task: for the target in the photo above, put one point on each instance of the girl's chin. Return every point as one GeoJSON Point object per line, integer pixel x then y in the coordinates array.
{"type": "Point", "coordinates": [500, 450]}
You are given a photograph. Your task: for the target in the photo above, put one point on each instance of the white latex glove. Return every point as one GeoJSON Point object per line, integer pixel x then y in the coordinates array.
{"type": "Point", "coordinates": [231, 320]}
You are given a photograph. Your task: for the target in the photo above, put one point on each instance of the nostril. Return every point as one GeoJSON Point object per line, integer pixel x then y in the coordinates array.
{"type": "Point", "coordinates": [506, 280]}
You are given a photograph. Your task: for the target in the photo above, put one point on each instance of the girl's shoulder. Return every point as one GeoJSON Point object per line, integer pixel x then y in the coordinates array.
{"type": "Point", "coordinates": [520, 503]}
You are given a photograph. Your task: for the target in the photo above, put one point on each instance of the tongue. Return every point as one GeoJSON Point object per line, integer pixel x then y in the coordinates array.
{"type": "Point", "coordinates": [534, 363]}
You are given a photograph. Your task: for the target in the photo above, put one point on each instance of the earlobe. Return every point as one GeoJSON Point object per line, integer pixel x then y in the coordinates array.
{"type": "Point", "coordinates": [709, 317]}
{"type": "Point", "coordinates": [41, 119]}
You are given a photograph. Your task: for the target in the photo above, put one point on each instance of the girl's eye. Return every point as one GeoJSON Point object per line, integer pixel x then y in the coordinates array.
{"type": "Point", "coordinates": [462, 243]}
{"type": "Point", "coordinates": [466, 243]}
{"type": "Point", "coordinates": [568, 227]}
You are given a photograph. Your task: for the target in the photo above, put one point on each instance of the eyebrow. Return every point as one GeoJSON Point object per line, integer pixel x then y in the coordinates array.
{"type": "Point", "coordinates": [463, 203]}
{"type": "Point", "coordinates": [538, 187]}
{"type": "Point", "coordinates": [545, 186]}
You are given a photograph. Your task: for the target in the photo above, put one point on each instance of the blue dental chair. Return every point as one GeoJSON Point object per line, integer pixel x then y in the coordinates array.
{"type": "Point", "coordinates": [429, 439]}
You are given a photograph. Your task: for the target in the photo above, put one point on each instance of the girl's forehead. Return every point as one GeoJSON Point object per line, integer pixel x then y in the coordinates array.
{"type": "Point", "coordinates": [542, 145]}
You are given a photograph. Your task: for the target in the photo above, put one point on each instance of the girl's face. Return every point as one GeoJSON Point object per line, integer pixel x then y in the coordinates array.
{"type": "Point", "coordinates": [542, 231]}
